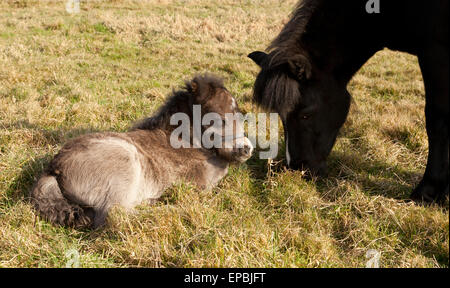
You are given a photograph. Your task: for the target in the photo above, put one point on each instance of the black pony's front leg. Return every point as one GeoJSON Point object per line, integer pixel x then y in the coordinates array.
{"type": "Point", "coordinates": [434, 64]}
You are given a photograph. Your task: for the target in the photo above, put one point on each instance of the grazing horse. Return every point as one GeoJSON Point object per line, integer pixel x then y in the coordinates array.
{"type": "Point", "coordinates": [95, 172]}
{"type": "Point", "coordinates": [305, 74]}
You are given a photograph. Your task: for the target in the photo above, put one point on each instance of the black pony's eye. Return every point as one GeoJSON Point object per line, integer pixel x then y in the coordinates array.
{"type": "Point", "coordinates": [307, 112]}
{"type": "Point", "coordinates": [305, 117]}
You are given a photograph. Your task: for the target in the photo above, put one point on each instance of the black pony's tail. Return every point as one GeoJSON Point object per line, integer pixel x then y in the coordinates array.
{"type": "Point", "coordinates": [48, 200]}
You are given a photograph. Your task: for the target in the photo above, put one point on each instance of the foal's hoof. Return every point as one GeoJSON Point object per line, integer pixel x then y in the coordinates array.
{"type": "Point", "coordinates": [426, 193]}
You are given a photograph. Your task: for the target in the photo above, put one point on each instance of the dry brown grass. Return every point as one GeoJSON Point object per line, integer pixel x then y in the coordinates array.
{"type": "Point", "coordinates": [64, 75]}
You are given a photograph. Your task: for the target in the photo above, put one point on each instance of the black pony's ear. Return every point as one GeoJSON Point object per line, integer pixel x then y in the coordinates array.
{"type": "Point", "coordinates": [258, 57]}
{"type": "Point", "coordinates": [300, 67]}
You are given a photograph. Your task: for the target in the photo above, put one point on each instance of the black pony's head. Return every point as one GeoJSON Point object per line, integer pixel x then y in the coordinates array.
{"type": "Point", "coordinates": [312, 104]}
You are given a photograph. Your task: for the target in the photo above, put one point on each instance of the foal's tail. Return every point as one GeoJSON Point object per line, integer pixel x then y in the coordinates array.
{"type": "Point", "coordinates": [47, 198]}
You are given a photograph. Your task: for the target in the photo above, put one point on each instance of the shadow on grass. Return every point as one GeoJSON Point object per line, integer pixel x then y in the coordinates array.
{"type": "Point", "coordinates": [51, 137]}
{"type": "Point", "coordinates": [373, 176]}
{"type": "Point", "coordinates": [20, 187]}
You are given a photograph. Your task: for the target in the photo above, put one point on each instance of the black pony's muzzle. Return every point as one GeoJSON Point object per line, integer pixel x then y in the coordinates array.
{"type": "Point", "coordinates": [310, 169]}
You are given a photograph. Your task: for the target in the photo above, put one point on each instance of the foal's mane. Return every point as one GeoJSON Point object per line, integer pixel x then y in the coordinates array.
{"type": "Point", "coordinates": [179, 101]}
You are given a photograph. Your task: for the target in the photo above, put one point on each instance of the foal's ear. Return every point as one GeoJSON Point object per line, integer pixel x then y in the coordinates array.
{"type": "Point", "coordinates": [200, 89]}
{"type": "Point", "coordinates": [300, 67]}
{"type": "Point", "coordinates": [193, 86]}
{"type": "Point", "coordinates": [258, 57]}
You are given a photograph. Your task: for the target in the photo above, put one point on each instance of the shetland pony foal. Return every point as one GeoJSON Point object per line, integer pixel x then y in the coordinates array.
{"type": "Point", "coordinates": [95, 172]}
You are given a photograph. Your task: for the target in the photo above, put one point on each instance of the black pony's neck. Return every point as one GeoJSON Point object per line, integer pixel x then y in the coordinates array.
{"type": "Point", "coordinates": [330, 34]}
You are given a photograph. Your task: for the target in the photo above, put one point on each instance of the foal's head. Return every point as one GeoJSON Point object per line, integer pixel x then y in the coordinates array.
{"type": "Point", "coordinates": [221, 123]}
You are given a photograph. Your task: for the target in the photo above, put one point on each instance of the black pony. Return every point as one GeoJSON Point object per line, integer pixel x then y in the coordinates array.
{"type": "Point", "coordinates": [305, 74]}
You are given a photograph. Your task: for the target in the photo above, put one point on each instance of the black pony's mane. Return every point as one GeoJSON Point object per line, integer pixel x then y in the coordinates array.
{"type": "Point", "coordinates": [179, 101]}
{"type": "Point", "coordinates": [290, 35]}
{"type": "Point", "coordinates": [274, 89]}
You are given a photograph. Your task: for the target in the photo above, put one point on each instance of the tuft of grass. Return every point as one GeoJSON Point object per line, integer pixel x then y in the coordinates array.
{"type": "Point", "coordinates": [65, 75]}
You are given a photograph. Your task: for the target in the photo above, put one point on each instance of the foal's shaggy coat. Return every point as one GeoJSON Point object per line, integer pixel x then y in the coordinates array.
{"type": "Point", "coordinates": [94, 172]}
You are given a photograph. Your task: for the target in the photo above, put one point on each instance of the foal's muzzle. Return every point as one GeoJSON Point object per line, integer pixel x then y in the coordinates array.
{"type": "Point", "coordinates": [244, 150]}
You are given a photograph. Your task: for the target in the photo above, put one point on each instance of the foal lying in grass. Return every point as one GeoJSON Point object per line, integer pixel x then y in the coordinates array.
{"type": "Point", "coordinates": [95, 172]}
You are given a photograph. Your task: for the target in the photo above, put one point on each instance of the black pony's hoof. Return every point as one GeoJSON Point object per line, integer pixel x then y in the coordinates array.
{"type": "Point", "coordinates": [426, 193]}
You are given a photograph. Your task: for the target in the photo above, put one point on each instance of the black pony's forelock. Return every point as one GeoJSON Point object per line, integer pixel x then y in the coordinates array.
{"type": "Point", "coordinates": [276, 91]}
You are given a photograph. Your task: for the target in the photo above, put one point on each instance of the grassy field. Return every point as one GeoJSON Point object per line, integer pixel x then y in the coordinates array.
{"type": "Point", "coordinates": [63, 75]}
